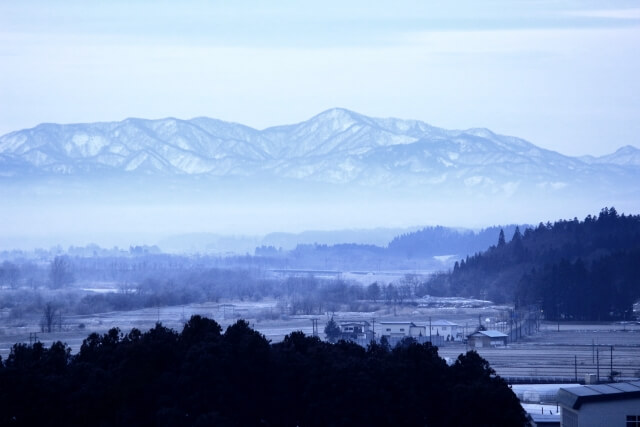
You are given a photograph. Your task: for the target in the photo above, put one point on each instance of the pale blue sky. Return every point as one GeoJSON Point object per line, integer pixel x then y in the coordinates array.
{"type": "Point", "coordinates": [562, 74]}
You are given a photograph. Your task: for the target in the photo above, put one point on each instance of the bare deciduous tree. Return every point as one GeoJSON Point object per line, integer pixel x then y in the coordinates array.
{"type": "Point", "coordinates": [51, 317]}
{"type": "Point", "coordinates": [61, 272]}
{"type": "Point", "coordinates": [9, 274]}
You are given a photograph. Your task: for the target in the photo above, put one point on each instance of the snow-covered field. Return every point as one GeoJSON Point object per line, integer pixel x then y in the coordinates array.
{"type": "Point", "coordinates": [266, 316]}
{"type": "Point", "coordinates": [549, 353]}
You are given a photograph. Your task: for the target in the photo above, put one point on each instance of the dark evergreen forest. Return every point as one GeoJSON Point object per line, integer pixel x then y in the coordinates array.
{"type": "Point", "coordinates": [580, 270]}
{"type": "Point", "coordinates": [434, 241]}
{"type": "Point", "coordinates": [204, 377]}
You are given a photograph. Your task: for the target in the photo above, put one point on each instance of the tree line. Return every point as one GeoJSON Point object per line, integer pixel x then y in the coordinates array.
{"type": "Point", "coordinates": [414, 250]}
{"type": "Point", "coordinates": [202, 376]}
{"type": "Point", "coordinates": [571, 269]}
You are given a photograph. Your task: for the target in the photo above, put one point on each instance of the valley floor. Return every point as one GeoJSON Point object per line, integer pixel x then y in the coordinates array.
{"type": "Point", "coordinates": [547, 355]}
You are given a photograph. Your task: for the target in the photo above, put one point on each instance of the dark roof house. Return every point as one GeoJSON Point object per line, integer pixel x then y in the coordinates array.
{"type": "Point", "coordinates": [487, 339]}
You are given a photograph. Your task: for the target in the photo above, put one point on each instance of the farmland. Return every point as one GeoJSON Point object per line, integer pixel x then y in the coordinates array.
{"type": "Point", "coordinates": [550, 353]}
{"type": "Point", "coordinates": [575, 348]}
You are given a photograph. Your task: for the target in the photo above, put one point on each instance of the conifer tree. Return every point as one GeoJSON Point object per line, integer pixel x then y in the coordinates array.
{"type": "Point", "coordinates": [501, 241]}
{"type": "Point", "coordinates": [332, 330]}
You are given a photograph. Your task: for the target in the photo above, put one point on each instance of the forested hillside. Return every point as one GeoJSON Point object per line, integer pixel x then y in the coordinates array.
{"type": "Point", "coordinates": [434, 241]}
{"type": "Point", "coordinates": [421, 249]}
{"type": "Point", "coordinates": [582, 270]}
{"type": "Point", "coordinates": [203, 377]}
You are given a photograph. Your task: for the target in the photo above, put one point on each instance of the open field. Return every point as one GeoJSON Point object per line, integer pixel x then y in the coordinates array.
{"type": "Point", "coordinates": [266, 316]}
{"type": "Point", "coordinates": [548, 354]}
{"type": "Point", "coordinates": [552, 353]}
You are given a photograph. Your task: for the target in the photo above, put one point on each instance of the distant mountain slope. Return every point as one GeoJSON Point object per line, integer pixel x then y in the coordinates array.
{"type": "Point", "coordinates": [624, 156]}
{"type": "Point", "coordinates": [405, 243]}
{"type": "Point", "coordinates": [434, 241]}
{"type": "Point", "coordinates": [427, 249]}
{"type": "Point", "coordinates": [376, 236]}
{"type": "Point", "coordinates": [337, 146]}
{"type": "Point", "coordinates": [338, 170]}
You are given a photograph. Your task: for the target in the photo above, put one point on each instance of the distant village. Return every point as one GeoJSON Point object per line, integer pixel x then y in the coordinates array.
{"type": "Point", "coordinates": [438, 332]}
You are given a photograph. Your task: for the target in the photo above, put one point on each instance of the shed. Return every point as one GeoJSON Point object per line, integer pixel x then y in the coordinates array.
{"type": "Point", "coordinates": [487, 339]}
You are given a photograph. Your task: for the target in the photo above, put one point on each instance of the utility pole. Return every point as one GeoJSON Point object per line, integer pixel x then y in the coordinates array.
{"type": "Point", "coordinates": [611, 363]}
{"type": "Point", "coordinates": [597, 365]}
{"type": "Point", "coordinates": [575, 367]}
{"type": "Point", "coordinates": [373, 328]}
{"type": "Point", "coordinates": [466, 338]}
{"type": "Point", "coordinates": [430, 342]}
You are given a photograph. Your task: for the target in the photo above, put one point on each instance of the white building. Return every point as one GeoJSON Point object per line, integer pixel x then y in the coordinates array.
{"type": "Point", "coordinates": [401, 330]}
{"type": "Point", "coordinates": [449, 331]}
{"type": "Point", "coordinates": [615, 404]}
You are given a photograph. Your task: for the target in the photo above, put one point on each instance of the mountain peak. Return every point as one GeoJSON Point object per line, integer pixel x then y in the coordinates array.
{"type": "Point", "coordinates": [627, 149]}
{"type": "Point", "coordinates": [336, 113]}
{"type": "Point", "coordinates": [482, 132]}
{"type": "Point", "coordinates": [623, 156]}
{"type": "Point", "coordinates": [339, 118]}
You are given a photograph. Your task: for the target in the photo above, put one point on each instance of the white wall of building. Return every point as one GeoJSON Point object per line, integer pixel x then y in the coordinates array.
{"type": "Point", "coordinates": [598, 414]}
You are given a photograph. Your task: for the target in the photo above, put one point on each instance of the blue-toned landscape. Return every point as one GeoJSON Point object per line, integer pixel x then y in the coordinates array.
{"type": "Point", "coordinates": [319, 213]}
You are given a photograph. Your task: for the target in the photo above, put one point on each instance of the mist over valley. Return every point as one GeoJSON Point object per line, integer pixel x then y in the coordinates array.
{"type": "Point", "coordinates": [148, 180]}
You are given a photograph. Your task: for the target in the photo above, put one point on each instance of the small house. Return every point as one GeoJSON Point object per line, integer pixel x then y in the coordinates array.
{"type": "Point", "coordinates": [355, 330]}
{"type": "Point", "coordinates": [487, 339]}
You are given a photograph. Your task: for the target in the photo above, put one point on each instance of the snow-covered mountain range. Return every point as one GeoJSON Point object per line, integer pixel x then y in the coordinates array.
{"type": "Point", "coordinates": [337, 146]}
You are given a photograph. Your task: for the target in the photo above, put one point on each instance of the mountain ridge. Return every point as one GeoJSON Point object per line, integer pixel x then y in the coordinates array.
{"type": "Point", "coordinates": [336, 146]}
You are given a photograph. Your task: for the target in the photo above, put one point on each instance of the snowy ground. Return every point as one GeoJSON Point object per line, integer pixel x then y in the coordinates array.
{"type": "Point", "coordinates": [533, 408]}
{"type": "Point", "coordinates": [538, 394]}
{"type": "Point", "coordinates": [265, 316]}
{"type": "Point", "coordinates": [550, 353]}
{"type": "Point", "coordinates": [540, 399]}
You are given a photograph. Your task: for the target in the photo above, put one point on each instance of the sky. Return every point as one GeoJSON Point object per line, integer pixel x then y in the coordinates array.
{"type": "Point", "coordinates": [561, 74]}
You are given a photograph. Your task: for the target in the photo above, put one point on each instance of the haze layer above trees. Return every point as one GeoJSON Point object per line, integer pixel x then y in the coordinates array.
{"type": "Point", "coordinates": [337, 170]}
{"type": "Point", "coordinates": [584, 270]}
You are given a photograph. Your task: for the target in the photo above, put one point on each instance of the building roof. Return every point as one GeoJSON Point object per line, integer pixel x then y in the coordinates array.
{"type": "Point", "coordinates": [490, 334]}
{"type": "Point", "coordinates": [443, 323]}
{"type": "Point", "coordinates": [353, 322]}
{"type": "Point", "coordinates": [398, 323]}
{"type": "Point", "coordinates": [574, 397]}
